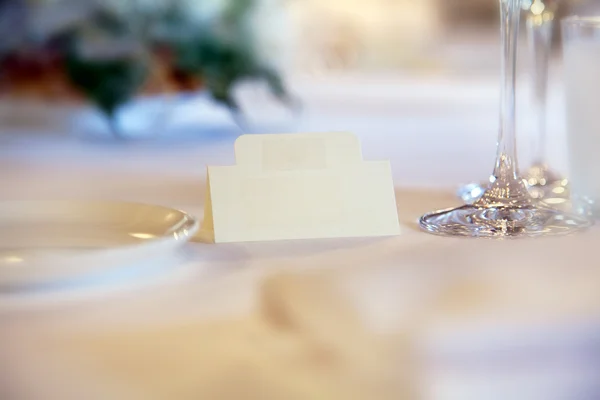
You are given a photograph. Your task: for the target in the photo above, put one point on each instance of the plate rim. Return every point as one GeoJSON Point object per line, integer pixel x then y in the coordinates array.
{"type": "Point", "coordinates": [71, 266]}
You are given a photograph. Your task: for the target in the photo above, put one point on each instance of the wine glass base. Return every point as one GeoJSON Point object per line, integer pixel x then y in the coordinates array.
{"type": "Point", "coordinates": [501, 222]}
{"type": "Point", "coordinates": [538, 189]}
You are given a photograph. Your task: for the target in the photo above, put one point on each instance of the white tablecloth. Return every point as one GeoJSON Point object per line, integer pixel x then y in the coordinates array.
{"type": "Point", "coordinates": [438, 132]}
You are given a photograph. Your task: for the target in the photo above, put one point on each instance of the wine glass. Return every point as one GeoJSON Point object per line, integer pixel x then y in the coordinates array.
{"type": "Point", "coordinates": [541, 180]}
{"type": "Point", "coordinates": [506, 208]}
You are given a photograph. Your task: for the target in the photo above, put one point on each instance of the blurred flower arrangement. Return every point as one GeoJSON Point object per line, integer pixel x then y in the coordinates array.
{"type": "Point", "coordinates": [109, 51]}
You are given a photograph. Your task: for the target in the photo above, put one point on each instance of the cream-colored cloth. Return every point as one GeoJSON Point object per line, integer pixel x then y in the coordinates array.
{"type": "Point", "coordinates": [302, 342]}
{"type": "Point", "coordinates": [342, 333]}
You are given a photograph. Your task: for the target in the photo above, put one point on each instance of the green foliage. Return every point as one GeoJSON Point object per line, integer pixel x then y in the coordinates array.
{"type": "Point", "coordinates": [108, 83]}
{"type": "Point", "coordinates": [220, 51]}
{"type": "Point", "coordinates": [223, 53]}
{"type": "Point", "coordinates": [107, 80]}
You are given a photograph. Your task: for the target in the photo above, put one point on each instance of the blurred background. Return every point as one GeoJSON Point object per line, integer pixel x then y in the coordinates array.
{"type": "Point", "coordinates": [109, 52]}
{"type": "Point", "coordinates": [193, 70]}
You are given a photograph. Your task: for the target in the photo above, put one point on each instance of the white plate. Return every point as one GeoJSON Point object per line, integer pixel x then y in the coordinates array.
{"type": "Point", "coordinates": [51, 241]}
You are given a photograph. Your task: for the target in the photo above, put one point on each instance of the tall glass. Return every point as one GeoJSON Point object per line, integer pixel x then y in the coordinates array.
{"type": "Point", "coordinates": [581, 40]}
{"type": "Point", "coordinates": [506, 208]}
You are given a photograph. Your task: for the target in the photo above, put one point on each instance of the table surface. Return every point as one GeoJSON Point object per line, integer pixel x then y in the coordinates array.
{"type": "Point", "coordinates": [437, 131]}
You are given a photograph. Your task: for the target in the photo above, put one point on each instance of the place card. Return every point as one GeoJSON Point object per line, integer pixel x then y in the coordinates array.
{"type": "Point", "coordinates": [299, 186]}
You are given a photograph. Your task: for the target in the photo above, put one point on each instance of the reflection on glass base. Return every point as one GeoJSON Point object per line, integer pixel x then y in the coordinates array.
{"type": "Point", "coordinates": [543, 183]}
{"type": "Point", "coordinates": [578, 205]}
{"type": "Point", "coordinates": [502, 221]}
{"type": "Point", "coordinates": [539, 188]}
{"type": "Point", "coordinates": [471, 192]}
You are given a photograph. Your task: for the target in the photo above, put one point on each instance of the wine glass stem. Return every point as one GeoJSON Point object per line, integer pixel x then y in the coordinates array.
{"type": "Point", "coordinates": [539, 29]}
{"type": "Point", "coordinates": [506, 162]}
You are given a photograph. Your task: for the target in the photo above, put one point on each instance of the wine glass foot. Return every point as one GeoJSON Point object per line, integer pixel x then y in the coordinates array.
{"type": "Point", "coordinates": [541, 182]}
{"type": "Point", "coordinates": [473, 220]}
